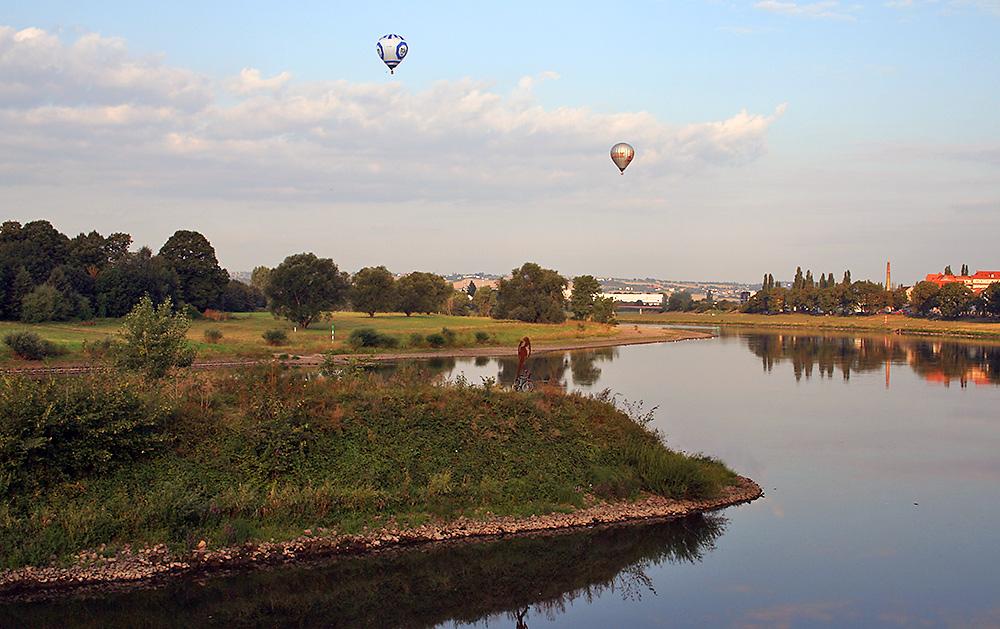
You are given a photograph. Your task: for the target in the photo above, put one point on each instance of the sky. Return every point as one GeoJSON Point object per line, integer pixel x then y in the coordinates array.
{"type": "Point", "coordinates": [768, 135]}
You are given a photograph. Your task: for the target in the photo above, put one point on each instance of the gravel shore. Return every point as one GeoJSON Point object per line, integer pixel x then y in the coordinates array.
{"type": "Point", "coordinates": [94, 573]}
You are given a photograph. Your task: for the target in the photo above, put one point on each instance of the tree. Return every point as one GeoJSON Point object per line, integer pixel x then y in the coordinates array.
{"type": "Point", "coordinates": [240, 297]}
{"type": "Point", "coordinates": [303, 286]}
{"type": "Point", "coordinates": [965, 269]}
{"type": "Point", "coordinates": [422, 292]}
{"type": "Point", "coordinates": [923, 297]}
{"type": "Point", "coordinates": [954, 299]}
{"type": "Point", "coordinates": [582, 299]}
{"type": "Point", "coordinates": [192, 257]}
{"type": "Point", "coordinates": [991, 299]}
{"type": "Point", "coordinates": [679, 301]}
{"type": "Point", "coordinates": [373, 289]}
{"type": "Point", "coordinates": [259, 277]}
{"type": "Point", "coordinates": [947, 270]}
{"type": "Point", "coordinates": [124, 282]}
{"type": "Point", "coordinates": [153, 340]}
{"type": "Point", "coordinates": [484, 300]}
{"type": "Point", "coordinates": [532, 294]}
{"type": "Point", "coordinates": [604, 311]}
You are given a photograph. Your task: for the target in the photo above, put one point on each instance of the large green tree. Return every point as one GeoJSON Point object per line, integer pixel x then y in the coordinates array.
{"type": "Point", "coordinates": [955, 299]}
{"type": "Point", "coordinates": [532, 294]}
{"type": "Point", "coordinates": [192, 257]}
{"type": "Point", "coordinates": [924, 295]}
{"type": "Point", "coordinates": [581, 300]}
{"type": "Point", "coordinates": [125, 281]}
{"type": "Point", "coordinates": [422, 292]}
{"type": "Point", "coordinates": [373, 289]}
{"type": "Point", "coordinates": [302, 287]}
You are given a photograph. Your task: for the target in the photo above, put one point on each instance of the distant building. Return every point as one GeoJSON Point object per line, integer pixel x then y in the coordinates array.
{"type": "Point", "coordinates": [645, 299]}
{"type": "Point", "coordinates": [977, 282]}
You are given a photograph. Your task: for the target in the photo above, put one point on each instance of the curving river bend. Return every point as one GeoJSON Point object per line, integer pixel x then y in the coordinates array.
{"type": "Point", "coordinates": [880, 461]}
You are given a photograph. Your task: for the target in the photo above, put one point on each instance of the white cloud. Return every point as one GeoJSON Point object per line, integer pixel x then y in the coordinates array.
{"type": "Point", "coordinates": [99, 114]}
{"type": "Point", "coordinates": [36, 68]}
{"type": "Point", "coordinates": [825, 10]}
{"type": "Point", "coordinates": [249, 82]}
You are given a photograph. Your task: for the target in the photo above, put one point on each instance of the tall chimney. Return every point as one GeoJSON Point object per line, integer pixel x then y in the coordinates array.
{"type": "Point", "coordinates": [888, 276]}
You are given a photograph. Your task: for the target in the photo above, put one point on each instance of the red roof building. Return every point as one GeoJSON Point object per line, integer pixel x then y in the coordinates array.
{"type": "Point", "coordinates": [977, 282]}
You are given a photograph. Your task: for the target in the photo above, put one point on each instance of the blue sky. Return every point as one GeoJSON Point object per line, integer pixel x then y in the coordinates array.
{"type": "Point", "coordinates": [768, 135]}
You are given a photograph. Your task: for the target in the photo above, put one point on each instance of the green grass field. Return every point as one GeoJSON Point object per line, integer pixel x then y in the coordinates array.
{"type": "Point", "coordinates": [242, 334]}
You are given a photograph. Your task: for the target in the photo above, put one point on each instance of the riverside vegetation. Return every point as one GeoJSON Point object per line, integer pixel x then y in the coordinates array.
{"type": "Point", "coordinates": [224, 457]}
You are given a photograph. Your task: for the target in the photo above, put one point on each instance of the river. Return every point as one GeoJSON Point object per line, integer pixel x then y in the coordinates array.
{"type": "Point", "coordinates": [879, 457]}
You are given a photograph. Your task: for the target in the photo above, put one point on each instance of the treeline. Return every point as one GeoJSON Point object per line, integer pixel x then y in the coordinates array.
{"type": "Point", "coordinates": [825, 296]}
{"type": "Point", "coordinates": [47, 276]}
{"type": "Point", "coordinates": [305, 286]}
{"type": "Point", "coordinates": [847, 297]}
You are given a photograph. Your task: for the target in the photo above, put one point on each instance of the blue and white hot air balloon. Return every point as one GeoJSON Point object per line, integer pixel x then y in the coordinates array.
{"type": "Point", "coordinates": [391, 50]}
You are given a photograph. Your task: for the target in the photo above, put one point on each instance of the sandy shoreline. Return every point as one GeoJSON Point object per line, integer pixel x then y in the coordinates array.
{"type": "Point", "coordinates": [129, 569]}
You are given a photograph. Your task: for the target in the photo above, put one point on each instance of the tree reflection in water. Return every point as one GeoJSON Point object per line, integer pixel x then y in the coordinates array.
{"type": "Point", "coordinates": [934, 360]}
{"type": "Point", "coordinates": [465, 582]}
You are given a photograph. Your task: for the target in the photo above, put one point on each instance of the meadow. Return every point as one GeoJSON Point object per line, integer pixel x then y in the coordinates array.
{"type": "Point", "coordinates": [219, 337]}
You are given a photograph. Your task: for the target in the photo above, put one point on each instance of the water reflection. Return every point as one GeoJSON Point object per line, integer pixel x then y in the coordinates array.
{"type": "Point", "coordinates": [518, 578]}
{"type": "Point", "coordinates": [934, 360]}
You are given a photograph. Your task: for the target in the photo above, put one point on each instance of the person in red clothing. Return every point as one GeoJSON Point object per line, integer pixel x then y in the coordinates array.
{"type": "Point", "coordinates": [523, 351]}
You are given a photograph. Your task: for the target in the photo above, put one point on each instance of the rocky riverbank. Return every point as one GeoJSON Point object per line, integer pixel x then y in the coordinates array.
{"type": "Point", "coordinates": [93, 572]}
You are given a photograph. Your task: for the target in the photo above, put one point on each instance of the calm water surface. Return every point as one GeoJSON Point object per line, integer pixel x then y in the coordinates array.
{"type": "Point", "coordinates": [880, 462]}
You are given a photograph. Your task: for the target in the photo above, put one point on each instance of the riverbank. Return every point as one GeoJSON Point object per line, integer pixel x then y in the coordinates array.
{"type": "Point", "coordinates": [625, 335]}
{"type": "Point", "coordinates": [988, 329]}
{"type": "Point", "coordinates": [94, 574]}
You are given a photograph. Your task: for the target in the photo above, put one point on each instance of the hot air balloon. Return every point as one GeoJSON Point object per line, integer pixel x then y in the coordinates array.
{"type": "Point", "coordinates": [391, 50]}
{"type": "Point", "coordinates": [621, 155]}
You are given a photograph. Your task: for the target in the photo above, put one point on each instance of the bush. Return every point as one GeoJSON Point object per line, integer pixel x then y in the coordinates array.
{"type": "Point", "coordinates": [370, 337]}
{"type": "Point", "coordinates": [416, 339]}
{"type": "Point", "coordinates": [30, 346]}
{"type": "Point", "coordinates": [213, 335]}
{"type": "Point", "coordinates": [482, 337]}
{"type": "Point", "coordinates": [450, 336]}
{"type": "Point", "coordinates": [153, 340]}
{"type": "Point", "coordinates": [275, 337]}
{"type": "Point", "coordinates": [435, 339]}
{"type": "Point", "coordinates": [68, 428]}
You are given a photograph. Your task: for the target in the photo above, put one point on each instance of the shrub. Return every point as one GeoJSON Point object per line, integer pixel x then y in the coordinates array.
{"type": "Point", "coordinates": [482, 337]}
{"type": "Point", "coordinates": [213, 335]}
{"type": "Point", "coordinates": [275, 337]}
{"type": "Point", "coordinates": [450, 336]}
{"type": "Point", "coordinates": [153, 340]}
{"type": "Point", "coordinates": [96, 348]}
{"type": "Point", "coordinates": [30, 346]}
{"type": "Point", "coordinates": [370, 337]}
{"type": "Point", "coordinates": [435, 339]}
{"type": "Point", "coordinates": [67, 428]}
{"type": "Point", "coordinates": [416, 339]}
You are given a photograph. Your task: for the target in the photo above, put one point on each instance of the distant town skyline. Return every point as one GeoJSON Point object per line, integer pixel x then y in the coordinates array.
{"type": "Point", "coordinates": [768, 135]}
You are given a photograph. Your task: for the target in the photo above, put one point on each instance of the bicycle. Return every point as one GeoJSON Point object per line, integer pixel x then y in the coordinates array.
{"type": "Point", "coordinates": [523, 383]}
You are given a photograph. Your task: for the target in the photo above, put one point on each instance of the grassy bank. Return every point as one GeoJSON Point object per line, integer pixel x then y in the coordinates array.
{"type": "Point", "coordinates": [981, 328]}
{"type": "Point", "coordinates": [241, 336]}
{"type": "Point", "coordinates": [268, 453]}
